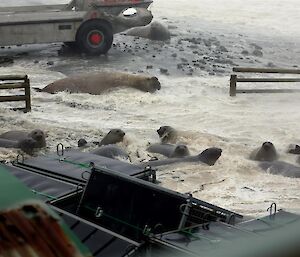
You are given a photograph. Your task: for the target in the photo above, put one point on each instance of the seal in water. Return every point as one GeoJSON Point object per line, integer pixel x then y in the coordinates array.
{"type": "Point", "coordinates": [36, 134]}
{"type": "Point", "coordinates": [281, 168]}
{"type": "Point", "coordinates": [294, 149]}
{"type": "Point", "coordinates": [167, 134]}
{"type": "Point", "coordinates": [81, 142]}
{"type": "Point", "coordinates": [153, 31]}
{"type": "Point", "coordinates": [97, 83]}
{"type": "Point", "coordinates": [27, 145]}
{"type": "Point", "coordinates": [169, 150]}
{"type": "Point", "coordinates": [208, 156]}
{"type": "Point", "coordinates": [180, 151]}
{"type": "Point", "coordinates": [266, 152]}
{"type": "Point", "coordinates": [111, 151]}
{"type": "Point", "coordinates": [114, 136]}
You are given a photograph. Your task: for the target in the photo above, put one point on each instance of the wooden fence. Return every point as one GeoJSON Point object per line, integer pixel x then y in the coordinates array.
{"type": "Point", "coordinates": [234, 79]}
{"type": "Point", "coordinates": [16, 82]}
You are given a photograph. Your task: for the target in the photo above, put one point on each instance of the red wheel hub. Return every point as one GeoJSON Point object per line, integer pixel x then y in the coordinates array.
{"type": "Point", "coordinates": [95, 38]}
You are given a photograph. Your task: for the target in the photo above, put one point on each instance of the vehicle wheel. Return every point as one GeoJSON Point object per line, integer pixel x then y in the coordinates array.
{"type": "Point", "coordinates": [95, 37]}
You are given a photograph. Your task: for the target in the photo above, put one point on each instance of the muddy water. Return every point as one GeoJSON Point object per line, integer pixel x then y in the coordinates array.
{"type": "Point", "coordinates": [209, 38]}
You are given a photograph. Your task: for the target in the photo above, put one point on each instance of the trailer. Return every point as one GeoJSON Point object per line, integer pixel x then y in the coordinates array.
{"type": "Point", "coordinates": [87, 25]}
{"type": "Point", "coordinates": [117, 213]}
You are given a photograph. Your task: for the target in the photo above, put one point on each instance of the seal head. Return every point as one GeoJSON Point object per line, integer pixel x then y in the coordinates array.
{"type": "Point", "coordinates": [266, 152]}
{"type": "Point", "coordinates": [295, 150]}
{"type": "Point", "coordinates": [39, 136]}
{"type": "Point", "coordinates": [81, 142]}
{"type": "Point", "coordinates": [167, 134]}
{"type": "Point", "coordinates": [210, 155]}
{"type": "Point", "coordinates": [114, 136]}
{"type": "Point", "coordinates": [180, 151]}
{"type": "Point", "coordinates": [152, 84]}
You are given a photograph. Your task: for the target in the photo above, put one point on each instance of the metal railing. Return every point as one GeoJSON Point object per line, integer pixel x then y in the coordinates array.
{"type": "Point", "coordinates": [234, 79]}
{"type": "Point", "coordinates": [16, 82]}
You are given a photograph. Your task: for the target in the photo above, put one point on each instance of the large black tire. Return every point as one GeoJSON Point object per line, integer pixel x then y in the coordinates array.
{"type": "Point", "coordinates": [94, 37]}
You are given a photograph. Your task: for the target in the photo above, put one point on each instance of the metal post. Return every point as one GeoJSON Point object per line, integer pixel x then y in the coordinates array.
{"type": "Point", "coordinates": [186, 213]}
{"type": "Point", "coordinates": [233, 80]}
{"type": "Point", "coordinates": [27, 94]}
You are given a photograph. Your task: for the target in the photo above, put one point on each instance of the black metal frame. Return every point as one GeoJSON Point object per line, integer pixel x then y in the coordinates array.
{"type": "Point", "coordinates": [130, 208]}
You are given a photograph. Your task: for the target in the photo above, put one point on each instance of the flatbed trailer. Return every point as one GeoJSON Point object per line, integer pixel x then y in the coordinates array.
{"type": "Point", "coordinates": [84, 24]}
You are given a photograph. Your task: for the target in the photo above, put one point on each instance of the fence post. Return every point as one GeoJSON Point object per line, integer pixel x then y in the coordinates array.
{"type": "Point", "coordinates": [27, 94]}
{"type": "Point", "coordinates": [233, 80]}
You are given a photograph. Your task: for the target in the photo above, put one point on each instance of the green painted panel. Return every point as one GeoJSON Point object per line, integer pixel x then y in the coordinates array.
{"type": "Point", "coordinates": [12, 191]}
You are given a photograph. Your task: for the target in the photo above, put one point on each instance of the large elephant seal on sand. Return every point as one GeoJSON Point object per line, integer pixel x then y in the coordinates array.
{"type": "Point", "coordinates": [153, 31]}
{"type": "Point", "coordinates": [281, 168]}
{"type": "Point", "coordinates": [111, 151]}
{"type": "Point", "coordinates": [97, 83]}
{"type": "Point", "coordinates": [208, 156]}
{"type": "Point", "coordinates": [36, 134]}
{"type": "Point", "coordinates": [167, 134]}
{"type": "Point", "coordinates": [168, 150]}
{"type": "Point", "coordinates": [112, 137]}
{"type": "Point", "coordinates": [266, 152]}
{"type": "Point", "coordinates": [27, 145]}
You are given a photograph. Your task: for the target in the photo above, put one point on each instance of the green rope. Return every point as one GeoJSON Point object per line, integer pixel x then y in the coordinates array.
{"type": "Point", "coordinates": [116, 219]}
{"type": "Point", "coordinates": [186, 231]}
{"type": "Point", "coordinates": [81, 165]}
{"type": "Point", "coordinates": [43, 194]}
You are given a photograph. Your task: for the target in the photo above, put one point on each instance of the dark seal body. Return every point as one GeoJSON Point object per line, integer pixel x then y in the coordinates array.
{"type": "Point", "coordinates": [169, 150]}
{"type": "Point", "coordinates": [208, 156]}
{"type": "Point", "coordinates": [36, 134]}
{"type": "Point", "coordinates": [111, 151]}
{"type": "Point", "coordinates": [281, 168]}
{"type": "Point", "coordinates": [27, 145]}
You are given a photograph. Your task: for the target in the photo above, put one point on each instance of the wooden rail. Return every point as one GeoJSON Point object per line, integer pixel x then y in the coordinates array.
{"type": "Point", "coordinates": [234, 79]}
{"type": "Point", "coordinates": [16, 82]}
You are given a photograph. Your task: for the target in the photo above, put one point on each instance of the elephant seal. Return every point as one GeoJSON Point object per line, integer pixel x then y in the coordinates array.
{"type": "Point", "coordinates": [112, 137]}
{"type": "Point", "coordinates": [36, 134]}
{"type": "Point", "coordinates": [111, 151]}
{"type": "Point", "coordinates": [281, 168]}
{"type": "Point", "coordinates": [97, 83]}
{"type": "Point", "coordinates": [167, 134]}
{"type": "Point", "coordinates": [27, 145]}
{"type": "Point", "coordinates": [81, 142]}
{"type": "Point", "coordinates": [208, 156]}
{"type": "Point", "coordinates": [169, 150]}
{"type": "Point", "coordinates": [153, 31]}
{"type": "Point", "coordinates": [294, 149]}
{"type": "Point", "coordinates": [180, 151]}
{"type": "Point", "coordinates": [266, 152]}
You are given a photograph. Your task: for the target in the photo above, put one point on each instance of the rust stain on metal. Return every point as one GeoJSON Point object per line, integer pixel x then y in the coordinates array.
{"type": "Point", "coordinates": [31, 232]}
